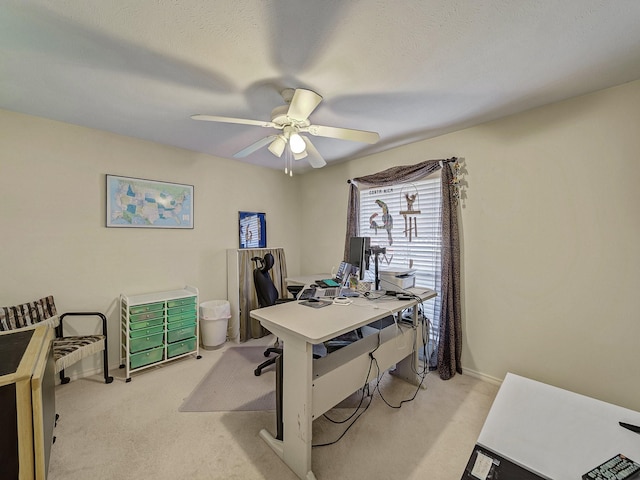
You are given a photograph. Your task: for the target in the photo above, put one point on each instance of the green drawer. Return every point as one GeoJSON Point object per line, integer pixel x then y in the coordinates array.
{"type": "Point", "coordinates": [183, 309]}
{"type": "Point", "coordinates": [182, 333]}
{"type": "Point", "coordinates": [145, 343]}
{"type": "Point", "coordinates": [147, 324]}
{"type": "Point", "coordinates": [139, 317]}
{"type": "Point", "coordinates": [146, 358]}
{"type": "Point", "coordinates": [181, 317]}
{"type": "Point", "coordinates": [147, 307]}
{"type": "Point", "coordinates": [179, 348]}
{"type": "Point", "coordinates": [143, 332]}
{"type": "Point", "coordinates": [190, 320]}
{"type": "Point", "coordinates": [180, 302]}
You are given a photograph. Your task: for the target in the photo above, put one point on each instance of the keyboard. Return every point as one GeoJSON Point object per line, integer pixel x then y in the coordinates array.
{"type": "Point", "coordinates": [618, 468]}
{"type": "Point", "coordinates": [331, 292]}
{"type": "Point", "coordinates": [337, 292]}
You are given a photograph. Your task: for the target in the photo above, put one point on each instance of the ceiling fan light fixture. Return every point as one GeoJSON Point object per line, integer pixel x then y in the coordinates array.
{"type": "Point", "coordinates": [296, 143]}
{"type": "Point", "coordinates": [277, 146]}
{"type": "Point", "coordinates": [299, 156]}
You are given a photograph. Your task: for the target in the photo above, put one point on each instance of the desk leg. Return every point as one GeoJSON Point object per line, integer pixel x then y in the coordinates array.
{"type": "Point", "coordinates": [295, 448]}
{"type": "Point", "coordinates": [407, 368]}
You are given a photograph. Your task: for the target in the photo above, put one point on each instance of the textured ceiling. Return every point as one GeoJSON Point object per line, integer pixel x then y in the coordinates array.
{"type": "Point", "coordinates": [407, 69]}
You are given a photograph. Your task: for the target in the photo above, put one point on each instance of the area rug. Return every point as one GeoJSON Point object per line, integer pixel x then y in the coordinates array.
{"type": "Point", "coordinates": [231, 385]}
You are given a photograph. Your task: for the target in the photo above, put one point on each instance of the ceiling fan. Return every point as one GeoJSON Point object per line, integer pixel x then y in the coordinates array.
{"type": "Point", "coordinates": [292, 119]}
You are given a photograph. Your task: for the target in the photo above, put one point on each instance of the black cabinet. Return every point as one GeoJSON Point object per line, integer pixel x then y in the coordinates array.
{"type": "Point", "coordinates": [27, 403]}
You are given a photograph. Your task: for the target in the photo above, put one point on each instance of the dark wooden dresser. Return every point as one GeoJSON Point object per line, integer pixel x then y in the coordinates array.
{"type": "Point", "coordinates": [27, 403]}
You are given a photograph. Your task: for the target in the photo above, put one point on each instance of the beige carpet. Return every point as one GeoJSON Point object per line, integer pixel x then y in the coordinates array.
{"type": "Point", "coordinates": [231, 385]}
{"type": "Point", "coordinates": [134, 431]}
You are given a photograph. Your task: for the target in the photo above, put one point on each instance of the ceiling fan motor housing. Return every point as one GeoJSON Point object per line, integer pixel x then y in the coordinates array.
{"type": "Point", "coordinates": [279, 116]}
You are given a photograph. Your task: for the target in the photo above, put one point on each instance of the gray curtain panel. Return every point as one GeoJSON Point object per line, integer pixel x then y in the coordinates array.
{"type": "Point", "coordinates": [450, 339]}
{"type": "Point", "coordinates": [450, 345]}
{"type": "Point", "coordinates": [250, 328]}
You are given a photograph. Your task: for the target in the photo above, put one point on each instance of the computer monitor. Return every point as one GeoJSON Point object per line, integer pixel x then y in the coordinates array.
{"type": "Point", "coordinates": [359, 254]}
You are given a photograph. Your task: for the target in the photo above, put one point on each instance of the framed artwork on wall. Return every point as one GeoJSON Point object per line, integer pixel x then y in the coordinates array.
{"type": "Point", "coordinates": [136, 202]}
{"type": "Point", "coordinates": [252, 229]}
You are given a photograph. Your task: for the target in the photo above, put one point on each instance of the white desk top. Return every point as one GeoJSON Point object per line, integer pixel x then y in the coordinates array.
{"type": "Point", "coordinates": [554, 432]}
{"type": "Point", "coordinates": [317, 325]}
{"type": "Point", "coordinates": [307, 279]}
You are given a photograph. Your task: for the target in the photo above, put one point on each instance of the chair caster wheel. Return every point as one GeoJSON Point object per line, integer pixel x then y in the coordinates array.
{"type": "Point", "coordinates": [256, 372]}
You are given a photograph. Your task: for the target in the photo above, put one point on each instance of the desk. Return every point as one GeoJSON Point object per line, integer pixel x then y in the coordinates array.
{"type": "Point", "coordinates": [307, 279]}
{"type": "Point", "coordinates": [311, 387]}
{"type": "Point", "coordinates": [555, 433]}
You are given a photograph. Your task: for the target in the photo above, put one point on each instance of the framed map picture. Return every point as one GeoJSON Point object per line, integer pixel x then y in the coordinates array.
{"type": "Point", "coordinates": [253, 230]}
{"type": "Point", "coordinates": [135, 202]}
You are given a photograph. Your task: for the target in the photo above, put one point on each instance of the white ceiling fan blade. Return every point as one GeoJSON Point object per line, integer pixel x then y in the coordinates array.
{"type": "Point", "coordinates": [303, 103]}
{"type": "Point", "coordinates": [255, 146]}
{"type": "Point", "coordinates": [342, 133]}
{"type": "Point", "coordinates": [241, 121]}
{"type": "Point", "coordinates": [313, 156]}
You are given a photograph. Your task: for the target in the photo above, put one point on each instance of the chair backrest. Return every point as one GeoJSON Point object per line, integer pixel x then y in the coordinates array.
{"type": "Point", "coordinates": [265, 289]}
{"type": "Point", "coordinates": [28, 315]}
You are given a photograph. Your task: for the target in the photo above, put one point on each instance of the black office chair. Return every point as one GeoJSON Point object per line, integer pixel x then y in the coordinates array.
{"type": "Point", "coordinates": [267, 295]}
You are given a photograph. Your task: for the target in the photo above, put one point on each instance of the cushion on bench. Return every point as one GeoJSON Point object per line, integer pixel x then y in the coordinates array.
{"type": "Point", "coordinates": [69, 350]}
{"type": "Point", "coordinates": [66, 350]}
{"type": "Point", "coordinates": [29, 315]}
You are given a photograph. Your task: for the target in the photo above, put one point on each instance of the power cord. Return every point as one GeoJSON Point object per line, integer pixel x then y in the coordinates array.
{"type": "Point", "coordinates": [358, 411]}
{"type": "Point", "coordinates": [365, 389]}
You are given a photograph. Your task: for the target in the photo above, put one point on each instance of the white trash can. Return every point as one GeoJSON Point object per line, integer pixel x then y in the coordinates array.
{"type": "Point", "coordinates": [214, 317]}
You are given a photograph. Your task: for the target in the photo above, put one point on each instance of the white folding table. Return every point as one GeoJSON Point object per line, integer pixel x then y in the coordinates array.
{"type": "Point", "coordinates": [555, 433]}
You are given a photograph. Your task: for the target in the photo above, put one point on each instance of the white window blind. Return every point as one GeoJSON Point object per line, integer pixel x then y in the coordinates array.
{"type": "Point", "coordinates": [414, 240]}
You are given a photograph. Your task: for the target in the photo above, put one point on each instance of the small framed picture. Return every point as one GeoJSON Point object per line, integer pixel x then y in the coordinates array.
{"type": "Point", "coordinates": [253, 230]}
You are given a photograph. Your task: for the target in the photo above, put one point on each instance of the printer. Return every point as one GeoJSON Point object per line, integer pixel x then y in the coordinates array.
{"type": "Point", "coordinates": [397, 280]}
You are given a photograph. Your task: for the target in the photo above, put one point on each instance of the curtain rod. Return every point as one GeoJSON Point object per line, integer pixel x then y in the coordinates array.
{"type": "Point", "coordinates": [448, 160]}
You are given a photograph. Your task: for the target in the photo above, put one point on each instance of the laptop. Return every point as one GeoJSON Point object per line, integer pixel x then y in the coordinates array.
{"type": "Point", "coordinates": [341, 289]}
{"type": "Point", "coordinates": [332, 287]}
{"type": "Point", "coordinates": [342, 276]}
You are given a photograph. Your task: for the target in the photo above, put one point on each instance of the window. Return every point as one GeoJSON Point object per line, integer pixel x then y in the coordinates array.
{"type": "Point", "coordinates": [405, 219]}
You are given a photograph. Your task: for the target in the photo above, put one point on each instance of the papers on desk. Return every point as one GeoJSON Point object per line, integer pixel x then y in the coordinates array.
{"type": "Point", "coordinates": [482, 466]}
{"type": "Point", "coordinates": [485, 464]}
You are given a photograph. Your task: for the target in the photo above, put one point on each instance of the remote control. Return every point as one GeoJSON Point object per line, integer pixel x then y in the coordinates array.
{"type": "Point", "coordinates": [617, 468]}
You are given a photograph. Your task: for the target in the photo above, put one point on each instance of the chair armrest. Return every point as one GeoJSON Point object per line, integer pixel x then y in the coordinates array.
{"type": "Point", "coordinates": [59, 328]}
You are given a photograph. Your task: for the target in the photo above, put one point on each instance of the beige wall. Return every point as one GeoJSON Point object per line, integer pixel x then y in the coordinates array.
{"type": "Point", "coordinates": [550, 231]}
{"type": "Point", "coordinates": [551, 240]}
{"type": "Point", "coordinates": [54, 240]}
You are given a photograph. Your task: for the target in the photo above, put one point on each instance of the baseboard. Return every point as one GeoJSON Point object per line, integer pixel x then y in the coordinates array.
{"type": "Point", "coordinates": [482, 376]}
